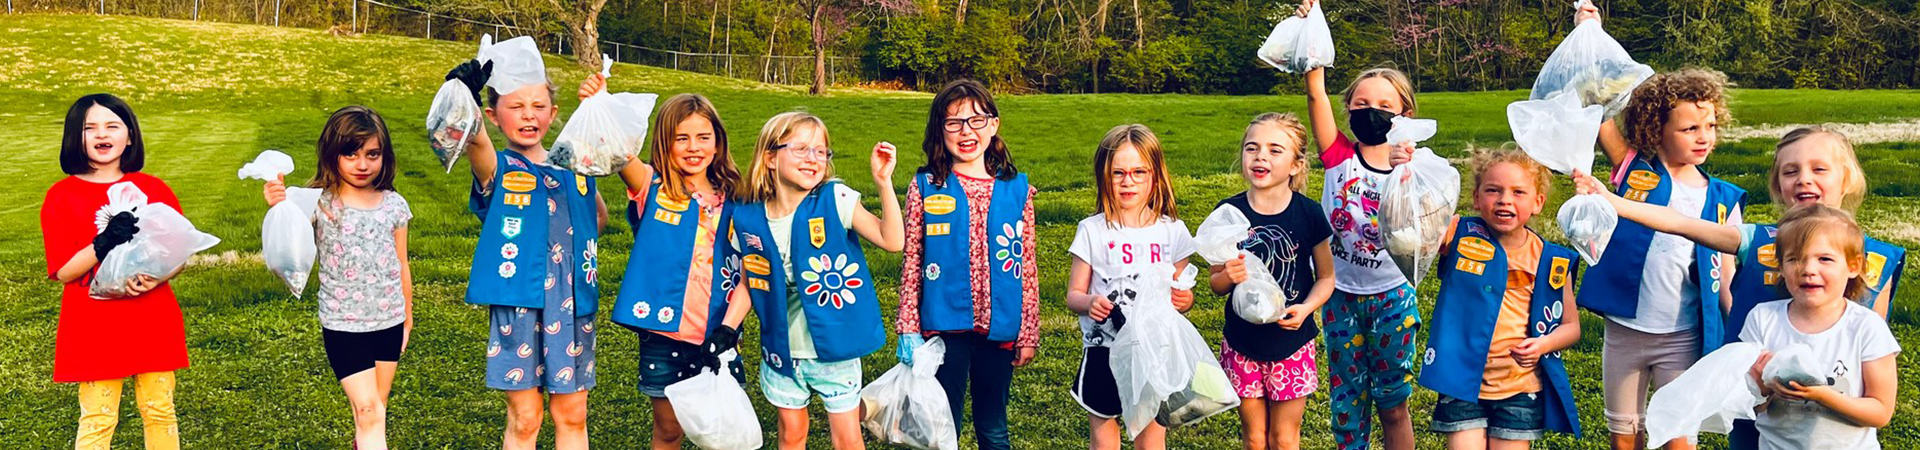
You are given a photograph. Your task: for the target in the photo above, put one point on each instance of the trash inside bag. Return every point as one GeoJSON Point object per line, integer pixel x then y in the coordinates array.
{"type": "Point", "coordinates": [605, 132]}
{"type": "Point", "coordinates": [1299, 44]}
{"type": "Point", "coordinates": [1417, 205]}
{"type": "Point", "coordinates": [1797, 364]}
{"type": "Point", "coordinates": [1208, 394]}
{"type": "Point", "coordinates": [453, 117]}
{"type": "Point", "coordinates": [1707, 397]}
{"type": "Point", "coordinates": [1258, 300]}
{"type": "Point", "coordinates": [1588, 221]}
{"type": "Point", "coordinates": [1157, 352]}
{"type": "Point", "coordinates": [714, 411]}
{"type": "Point", "coordinates": [286, 234]}
{"type": "Point", "coordinates": [906, 406]}
{"type": "Point", "coordinates": [1557, 131]}
{"type": "Point", "coordinates": [165, 242]}
{"type": "Point", "coordinates": [1592, 65]}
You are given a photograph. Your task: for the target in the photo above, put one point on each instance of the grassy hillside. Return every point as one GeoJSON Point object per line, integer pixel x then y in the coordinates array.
{"type": "Point", "coordinates": [212, 96]}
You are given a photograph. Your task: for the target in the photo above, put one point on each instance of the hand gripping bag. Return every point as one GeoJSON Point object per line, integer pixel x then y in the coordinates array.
{"type": "Point", "coordinates": [1707, 397]}
{"type": "Point", "coordinates": [714, 411]}
{"type": "Point", "coordinates": [1418, 201]}
{"type": "Point", "coordinates": [165, 242]}
{"type": "Point", "coordinates": [1797, 363]}
{"type": "Point", "coordinates": [906, 406]}
{"type": "Point", "coordinates": [1299, 44]}
{"type": "Point", "coordinates": [286, 234]}
{"type": "Point", "coordinates": [1259, 299]}
{"type": "Point", "coordinates": [1593, 66]}
{"type": "Point", "coordinates": [604, 132]}
{"type": "Point", "coordinates": [453, 117]}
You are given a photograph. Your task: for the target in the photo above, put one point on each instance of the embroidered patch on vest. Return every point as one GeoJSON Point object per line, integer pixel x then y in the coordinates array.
{"type": "Point", "coordinates": [1876, 263]}
{"type": "Point", "coordinates": [939, 229]}
{"type": "Point", "coordinates": [580, 181]}
{"type": "Point", "coordinates": [758, 265]}
{"type": "Point", "coordinates": [517, 200]}
{"type": "Point", "coordinates": [939, 204]}
{"type": "Point", "coordinates": [1557, 276]}
{"type": "Point", "coordinates": [668, 203]}
{"type": "Point", "coordinates": [518, 181]}
{"type": "Point", "coordinates": [1768, 256]}
{"type": "Point", "coordinates": [510, 227]}
{"type": "Point", "coordinates": [670, 218]}
{"type": "Point", "coordinates": [817, 231]}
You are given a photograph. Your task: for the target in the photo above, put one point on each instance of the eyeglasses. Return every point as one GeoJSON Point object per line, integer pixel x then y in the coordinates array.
{"type": "Point", "coordinates": [975, 122]}
{"type": "Point", "coordinates": [814, 153]}
{"type": "Point", "coordinates": [1135, 175]}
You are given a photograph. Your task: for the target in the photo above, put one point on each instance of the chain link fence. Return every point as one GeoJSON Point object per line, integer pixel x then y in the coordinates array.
{"type": "Point", "coordinates": [377, 17]}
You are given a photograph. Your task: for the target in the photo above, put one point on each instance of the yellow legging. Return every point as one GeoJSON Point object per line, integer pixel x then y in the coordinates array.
{"type": "Point", "coordinates": [100, 411]}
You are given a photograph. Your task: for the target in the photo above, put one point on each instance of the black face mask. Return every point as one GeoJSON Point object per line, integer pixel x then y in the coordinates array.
{"type": "Point", "coordinates": [1370, 125]}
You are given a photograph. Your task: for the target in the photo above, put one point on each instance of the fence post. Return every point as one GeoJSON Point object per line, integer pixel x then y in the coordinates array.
{"type": "Point", "coordinates": [355, 5]}
{"type": "Point", "coordinates": [196, 9]}
{"type": "Point", "coordinates": [429, 26]}
{"type": "Point", "coordinates": [276, 13]}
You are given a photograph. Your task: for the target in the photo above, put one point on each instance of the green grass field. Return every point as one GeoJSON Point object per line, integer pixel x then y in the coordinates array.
{"type": "Point", "coordinates": [212, 96]}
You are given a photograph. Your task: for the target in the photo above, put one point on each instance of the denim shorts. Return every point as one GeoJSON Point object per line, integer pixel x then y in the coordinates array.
{"type": "Point", "coordinates": [1518, 418]}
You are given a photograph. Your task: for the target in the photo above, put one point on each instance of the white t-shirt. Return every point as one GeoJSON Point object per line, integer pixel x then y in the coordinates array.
{"type": "Point", "coordinates": [1110, 249]}
{"type": "Point", "coordinates": [1858, 337]}
{"type": "Point", "coordinates": [1351, 197]}
{"type": "Point", "coordinates": [799, 340]}
{"type": "Point", "coordinates": [1669, 293]}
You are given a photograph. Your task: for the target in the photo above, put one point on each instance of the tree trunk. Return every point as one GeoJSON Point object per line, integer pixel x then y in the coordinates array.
{"type": "Point", "coordinates": [960, 14]}
{"type": "Point", "coordinates": [583, 27]}
{"type": "Point", "coordinates": [1139, 27]}
{"type": "Point", "coordinates": [1100, 18]}
{"type": "Point", "coordinates": [713, 23]}
{"type": "Point", "coordinates": [819, 52]}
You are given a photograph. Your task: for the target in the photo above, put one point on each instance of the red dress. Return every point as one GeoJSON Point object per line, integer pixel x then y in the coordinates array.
{"type": "Point", "coordinates": [106, 339]}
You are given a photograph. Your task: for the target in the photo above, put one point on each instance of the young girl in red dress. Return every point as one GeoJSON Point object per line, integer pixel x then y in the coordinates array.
{"type": "Point", "coordinates": [102, 342]}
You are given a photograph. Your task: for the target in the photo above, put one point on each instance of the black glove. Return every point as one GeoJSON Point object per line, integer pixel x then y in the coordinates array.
{"type": "Point", "coordinates": [1117, 318]}
{"type": "Point", "coordinates": [474, 75]}
{"type": "Point", "coordinates": [120, 229]}
{"type": "Point", "coordinates": [721, 340]}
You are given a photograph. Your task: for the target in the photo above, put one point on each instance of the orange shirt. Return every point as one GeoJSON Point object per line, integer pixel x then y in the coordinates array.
{"type": "Point", "coordinates": [693, 311]}
{"type": "Point", "coordinates": [1504, 377]}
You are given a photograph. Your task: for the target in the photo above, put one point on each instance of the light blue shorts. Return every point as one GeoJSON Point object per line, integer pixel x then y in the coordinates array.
{"type": "Point", "coordinates": [838, 384]}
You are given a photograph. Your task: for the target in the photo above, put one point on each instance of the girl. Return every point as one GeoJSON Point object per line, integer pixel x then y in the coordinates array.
{"type": "Point", "coordinates": [100, 343]}
{"type": "Point", "coordinates": [1811, 166]}
{"type": "Point", "coordinates": [1495, 358]}
{"type": "Point", "coordinates": [807, 276]}
{"type": "Point", "coordinates": [1821, 256]}
{"type": "Point", "coordinates": [1134, 225]}
{"type": "Point", "coordinates": [535, 266]}
{"type": "Point", "coordinates": [1660, 293]}
{"type": "Point", "coordinates": [1272, 366]}
{"type": "Point", "coordinates": [366, 284]}
{"type": "Point", "coordinates": [966, 275]}
{"type": "Point", "coordinates": [678, 294]}
{"type": "Point", "coordinates": [1372, 317]}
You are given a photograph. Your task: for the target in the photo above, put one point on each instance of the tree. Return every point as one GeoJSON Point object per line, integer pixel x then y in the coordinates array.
{"type": "Point", "coordinates": [582, 20]}
{"type": "Point", "coordinates": [828, 18]}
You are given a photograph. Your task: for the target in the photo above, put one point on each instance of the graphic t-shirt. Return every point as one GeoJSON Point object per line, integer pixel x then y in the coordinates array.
{"type": "Point", "coordinates": [1351, 196]}
{"type": "Point", "coordinates": [1285, 241]}
{"type": "Point", "coordinates": [1113, 251]}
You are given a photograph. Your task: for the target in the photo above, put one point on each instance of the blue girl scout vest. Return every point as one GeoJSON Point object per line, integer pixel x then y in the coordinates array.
{"type": "Point", "coordinates": [655, 284]}
{"type": "Point", "coordinates": [1758, 280]}
{"type": "Point", "coordinates": [836, 291]}
{"type": "Point", "coordinates": [1473, 284]}
{"type": "Point", "coordinates": [1613, 286]}
{"type": "Point", "coordinates": [946, 295]}
{"type": "Point", "coordinates": [509, 263]}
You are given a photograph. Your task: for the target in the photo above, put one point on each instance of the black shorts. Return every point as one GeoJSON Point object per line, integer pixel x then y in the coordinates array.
{"type": "Point", "coordinates": [1094, 387]}
{"type": "Point", "coordinates": [664, 361]}
{"type": "Point", "coordinates": [350, 353]}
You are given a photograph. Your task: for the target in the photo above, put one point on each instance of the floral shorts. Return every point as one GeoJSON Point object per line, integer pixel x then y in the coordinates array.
{"type": "Point", "coordinates": [1287, 379]}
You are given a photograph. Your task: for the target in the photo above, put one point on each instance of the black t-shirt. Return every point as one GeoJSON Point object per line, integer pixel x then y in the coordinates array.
{"type": "Point", "coordinates": [1286, 241]}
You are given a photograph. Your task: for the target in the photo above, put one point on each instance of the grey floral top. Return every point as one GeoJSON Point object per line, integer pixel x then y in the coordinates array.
{"type": "Point", "coordinates": [359, 268]}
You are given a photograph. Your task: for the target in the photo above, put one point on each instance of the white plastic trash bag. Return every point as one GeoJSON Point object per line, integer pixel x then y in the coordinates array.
{"type": "Point", "coordinates": [906, 405]}
{"type": "Point", "coordinates": [1707, 397]}
{"type": "Point", "coordinates": [1299, 44]}
{"type": "Point", "coordinates": [1559, 132]}
{"type": "Point", "coordinates": [1156, 352]}
{"type": "Point", "coordinates": [1208, 393]}
{"type": "Point", "coordinates": [1418, 201]}
{"type": "Point", "coordinates": [165, 242]}
{"type": "Point", "coordinates": [714, 411]}
{"type": "Point", "coordinates": [1592, 65]}
{"type": "Point", "coordinates": [453, 117]}
{"type": "Point", "coordinates": [1588, 221]}
{"type": "Point", "coordinates": [605, 131]}
{"type": "Point", "coordinates": [286, 234]}
{"type": "Point", "coordinates": [1798, 364]}
{"type": "Point", "coordinates": [1258, 300]}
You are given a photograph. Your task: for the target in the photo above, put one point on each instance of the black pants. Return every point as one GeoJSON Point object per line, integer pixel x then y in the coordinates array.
{"type": "Point", "coordinates": [990, 367]}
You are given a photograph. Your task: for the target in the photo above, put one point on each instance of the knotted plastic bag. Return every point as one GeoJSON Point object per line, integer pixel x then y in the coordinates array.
{"type": "Point", "coordinates": [1707, 397]}
{"type": "Point", "coordinates": [604, 132]}
{"type": "Point", "coordinates": [1418, 201]}
{"type": "Point", "coordinates": [906, 406]}
{"type": "Point", "coordinates": [1797, 363]}
{"type": "Point", "coordinates": [286, 234]}
{"type": "Point", "coordinates": [453, 117]}
{"type": "Point", "coordinates": [1299, 44]}
{"type": "Point", "coordinates": [165, 242]}
{"type": "Point", "coordinates": [1559, 132]}
{"type": "Point", "coordinates": [714, 411]}
{"type": "Point", "coordinates": [1593, 66]}
{"type": "Point", "coordinates": [1259, 299]}
{"type": "Point", "coordinates": [1156, 353]}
